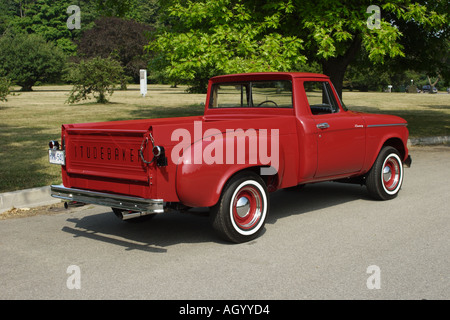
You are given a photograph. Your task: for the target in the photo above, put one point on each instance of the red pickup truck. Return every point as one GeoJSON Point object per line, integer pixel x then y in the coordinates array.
{"type": "Point", "coordinates": [260, 132]}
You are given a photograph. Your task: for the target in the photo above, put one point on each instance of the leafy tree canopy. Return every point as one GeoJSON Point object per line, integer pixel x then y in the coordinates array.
{"type": "Point", "coordinates": [225, 36]}
{"type": "Point", "coordinates": [118, 38]}
{"type": "Point", "coordinates": [144, 11]}
{"type": "Point", "coordinates": [48, 18]}
{"type": "Point", "coordinates": [221, 36]}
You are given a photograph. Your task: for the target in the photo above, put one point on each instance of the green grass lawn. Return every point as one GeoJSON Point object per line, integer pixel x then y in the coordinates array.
{"type": "Point", "coordinates": [30, 119]}
{"type": "Point", "coordinates": [427, 114]}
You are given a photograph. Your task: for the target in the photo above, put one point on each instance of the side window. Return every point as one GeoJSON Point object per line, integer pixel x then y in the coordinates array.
{"type": "Point", "coordinates": [320, 97]}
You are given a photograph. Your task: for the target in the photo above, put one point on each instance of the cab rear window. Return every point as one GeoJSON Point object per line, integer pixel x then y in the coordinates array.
{"type": "Point", "coordinates": [258, 94]}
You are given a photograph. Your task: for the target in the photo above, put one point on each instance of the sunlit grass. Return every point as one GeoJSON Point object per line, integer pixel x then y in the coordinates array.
{"type": "Point", "coordinates": [427, 114]}
{"type": "Point", "coordinates": [29, 120]}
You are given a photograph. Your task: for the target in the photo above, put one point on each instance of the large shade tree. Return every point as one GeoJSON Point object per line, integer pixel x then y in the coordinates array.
{"type": "Point", "coordinates": [224, 36]}
{"type": "Point", "coordinates": [117, 38]}
{"type": "Point", "coordinates": [26, 59]}
{"type": "Point", "coordinates": [48, 18]}
{"type": "Point", "coordinates": [143, 11]}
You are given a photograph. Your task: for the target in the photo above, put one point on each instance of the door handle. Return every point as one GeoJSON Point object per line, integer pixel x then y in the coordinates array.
{"type": "Point", "coordinates": [323, 125]}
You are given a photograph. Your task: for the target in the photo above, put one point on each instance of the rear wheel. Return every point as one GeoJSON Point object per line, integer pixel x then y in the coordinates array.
{"type": "Point", "coordinates": [385, 178]}
{"type": "Point", "coordinates": [241, 212]}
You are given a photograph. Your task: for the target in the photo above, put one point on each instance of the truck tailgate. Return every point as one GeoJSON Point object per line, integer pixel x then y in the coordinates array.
{"type": "Point", "coordinates": [106, 153]}
{"type": "Point", "coordinates": [107, 159]}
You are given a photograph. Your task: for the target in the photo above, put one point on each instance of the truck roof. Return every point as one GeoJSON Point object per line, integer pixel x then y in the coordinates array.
{"type": "Point", "coordinates": [266, 76]}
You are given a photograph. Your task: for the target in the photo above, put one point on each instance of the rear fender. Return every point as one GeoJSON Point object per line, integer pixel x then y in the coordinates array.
{"type": "Point", "coordinates": [204, 167]}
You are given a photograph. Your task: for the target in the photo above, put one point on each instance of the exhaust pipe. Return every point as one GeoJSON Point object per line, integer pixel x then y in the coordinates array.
{"type": "Point", "coordinates": [71, 204]}
{"type": "Point", "coordinates": [128, 215]}
{"type": "Point", "coordinates": [134, 215]}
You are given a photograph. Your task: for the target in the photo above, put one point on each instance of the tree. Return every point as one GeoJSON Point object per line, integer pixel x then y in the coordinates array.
{"type": "Point", "coordinates": [7, 11]}
{"type": "Point", "coordinates": [426, 43]}
{"type": "Point", "coordinates": [4, 88]}
{"type": "Point", "coordinates": [425, 47]}
{"type": "Point", "coordinates": [113, 8]}
{"type": "Point", "coordinates": [279, 35]}
{"type": "Point", "coordinates": [118, 38]}
{"type": "Point", "coordinates": [48, 18]}
{"type": "Point", "coordinates": [97, 77]}
{"type": "Point", "coordinates": [143, 11]}
{"type": "Point", "coordinates": [217, 37]}
{"type": "Point", "coordinates": [28, 58]}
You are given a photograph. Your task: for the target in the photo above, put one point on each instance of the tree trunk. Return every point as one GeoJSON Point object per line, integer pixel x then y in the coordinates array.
{"type": "Point", "coordinates": [336, 67]}
{"type": "Point", "coordinates": [432, 85]}
{"type": "Point", "coordinates": [26, 88]}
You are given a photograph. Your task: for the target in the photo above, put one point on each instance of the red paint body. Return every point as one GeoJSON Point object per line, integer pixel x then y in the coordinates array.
{"type": "Point", "coordinates": [105, 157]}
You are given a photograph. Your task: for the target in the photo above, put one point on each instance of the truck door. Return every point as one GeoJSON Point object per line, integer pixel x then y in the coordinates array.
{"type": "Point", "coordinates": [340, 134]}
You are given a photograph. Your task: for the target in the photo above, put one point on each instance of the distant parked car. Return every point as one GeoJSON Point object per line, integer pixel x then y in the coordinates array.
{"type": "Point", "coordinates": [427, 88]}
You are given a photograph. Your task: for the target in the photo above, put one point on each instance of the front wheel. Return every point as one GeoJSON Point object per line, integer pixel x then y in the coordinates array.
{"type": "Point", "coordinates": [385, 178]}
{"type": "Point", "coordinates": [241, 212]}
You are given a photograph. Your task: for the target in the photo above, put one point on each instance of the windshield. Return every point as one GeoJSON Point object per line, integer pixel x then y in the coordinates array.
{"type": "Point", "coordinates": [257, 94]}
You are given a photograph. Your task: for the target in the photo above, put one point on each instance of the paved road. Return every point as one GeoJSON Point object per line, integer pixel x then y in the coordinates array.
{"type": "Point", "coordinates": [328, 241]}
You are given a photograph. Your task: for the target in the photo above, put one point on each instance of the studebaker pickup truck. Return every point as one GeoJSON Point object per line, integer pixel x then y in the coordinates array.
{"type": "Point", "coordinates": [260, 132]}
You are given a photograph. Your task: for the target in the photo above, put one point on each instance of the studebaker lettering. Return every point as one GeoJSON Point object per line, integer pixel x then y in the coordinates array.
{"type": "Point", "coordinates": [260, 132]}
{"type": "Point", "coordinates": [105, 153]}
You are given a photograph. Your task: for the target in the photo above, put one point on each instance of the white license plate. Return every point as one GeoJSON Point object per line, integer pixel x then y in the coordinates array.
{"type": "Point", "coordinates": [57, 157]}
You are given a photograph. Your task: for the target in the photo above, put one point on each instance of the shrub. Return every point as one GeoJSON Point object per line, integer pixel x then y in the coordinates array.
{"type": "Point", "coordinates": [97, 77]}
{"type": "Point", "coordinates": [4, 88]}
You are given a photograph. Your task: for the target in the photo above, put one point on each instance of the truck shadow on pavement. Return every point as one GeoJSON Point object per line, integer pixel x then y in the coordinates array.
{"type": "Point", "coordinates": [154, 235]}
{"type": "Point", "coordinates": [287, 202]}
{"type": "Point", "coordinates": [168, 229]}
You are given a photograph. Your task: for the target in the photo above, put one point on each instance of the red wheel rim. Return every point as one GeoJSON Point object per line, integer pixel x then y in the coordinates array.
{"type": "Point", "coordinates": [391, 173]}
{"type": "Point", "coordinates": [247, 207]}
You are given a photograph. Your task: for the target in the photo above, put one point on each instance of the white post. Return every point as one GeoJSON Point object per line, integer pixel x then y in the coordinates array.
{"type": "Point", "coordinates": [143, 74]}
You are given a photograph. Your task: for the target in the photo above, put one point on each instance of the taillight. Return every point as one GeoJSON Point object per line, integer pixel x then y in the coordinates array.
{"type": "Point", "coordinates": [160, 155]}
{"type": "Point", "coordinates": [157, 151]}
{"type": "Point", "coordinates": [53, 145]}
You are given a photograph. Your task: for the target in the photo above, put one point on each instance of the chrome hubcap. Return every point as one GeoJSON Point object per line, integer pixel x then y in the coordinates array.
{"type": "Point", "coordinates": [391, 173]}
{"type": "Point", "coordinates": [247, 207]}
{"type": "Point", "coordinates": [387, 173]}
{"type": "Point", "coordinates": [243, 207]}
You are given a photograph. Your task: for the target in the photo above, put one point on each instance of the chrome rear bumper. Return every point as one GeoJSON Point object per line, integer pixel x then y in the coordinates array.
{"type": "Point", "coordinates": [147, 206]}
